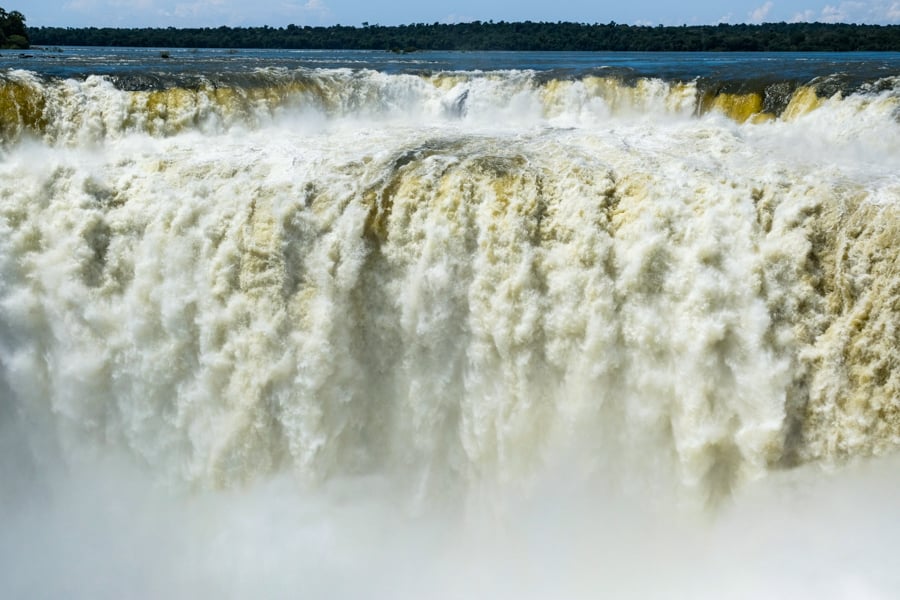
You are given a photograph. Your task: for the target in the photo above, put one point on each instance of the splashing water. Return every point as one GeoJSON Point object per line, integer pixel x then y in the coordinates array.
{"type": "Point", "coordinates": [346, 333]}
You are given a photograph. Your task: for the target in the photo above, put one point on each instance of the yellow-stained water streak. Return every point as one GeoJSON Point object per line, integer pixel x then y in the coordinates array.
{"type": "Point", "coordinates": [76, 112]}
{"type": "Point", "coordinates": [174, 110]}
{"type": "Point", "coordinates": [456, 308]}
{"type": "Point", "coordinates": [739, 107]}
{"type": "Point", "coordinates": [22, 105]}
{"type": "Point", "coordinates": [273, 320]}
{"type": "Point", "coordinates": [854, 405]}
{"type": "Point", "coordinates": [803, 101]}
{"type": "Point", "coordinates": [644, 96]}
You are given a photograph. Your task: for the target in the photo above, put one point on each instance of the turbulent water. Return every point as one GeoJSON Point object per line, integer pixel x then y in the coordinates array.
{"type": "Point", "coordinates": [289, 330]}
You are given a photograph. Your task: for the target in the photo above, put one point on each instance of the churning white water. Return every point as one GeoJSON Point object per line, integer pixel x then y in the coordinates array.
{"type": "Point", "coordinates": [396, 336]}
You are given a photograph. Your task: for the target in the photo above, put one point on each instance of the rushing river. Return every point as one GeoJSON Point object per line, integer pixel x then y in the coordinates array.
{"type": "Point", "coordinates": [449, 325]}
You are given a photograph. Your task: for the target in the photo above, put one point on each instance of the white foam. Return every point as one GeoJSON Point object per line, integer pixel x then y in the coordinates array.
{"type": "Point", "coordinates": [582, 340]}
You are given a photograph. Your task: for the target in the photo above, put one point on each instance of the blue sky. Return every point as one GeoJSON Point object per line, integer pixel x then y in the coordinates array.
{"type": "Point", "coordinates": [212, 13]}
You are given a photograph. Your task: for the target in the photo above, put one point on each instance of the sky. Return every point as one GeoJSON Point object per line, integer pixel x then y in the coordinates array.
{"type": "Point", "coordinates": [277, 13]}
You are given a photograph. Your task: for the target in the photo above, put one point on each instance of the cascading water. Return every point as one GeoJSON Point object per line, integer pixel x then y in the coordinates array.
{"type": "Point", "coordinates": [301, 328]}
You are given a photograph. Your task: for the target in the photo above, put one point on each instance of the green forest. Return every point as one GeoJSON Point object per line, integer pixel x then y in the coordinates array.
{"type": "Point", "coordinates": [13, 33]}
{"type": "Point", "coordinates": [476, 35]}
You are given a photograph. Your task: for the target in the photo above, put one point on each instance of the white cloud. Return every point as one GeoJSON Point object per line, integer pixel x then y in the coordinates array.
{"type": "Point", "coordinates": [317, 7]}
{"type": "Point", "coordinates": [893, 12]}
{"type": "Point", "coordinates": [806, 16]}
{"type": "Point", "coordinates": [132, 4]}
{"type": "Point", "coordinates": [832, 14]}
{"type": "Point", "coordinates": [187, 13]}
{"type": "Point", "coordinates": [854, 11]}
{"type": "Point", "coordinates": [198, 8]}
{"type": "Point", "coordinates": [455, 19]}
{"type": "Point", "coordinates": [311, 9]}
{"type": "Point", "coordinates": [80, 5]}
{"type": "Point", "coordinates": [757, 15]}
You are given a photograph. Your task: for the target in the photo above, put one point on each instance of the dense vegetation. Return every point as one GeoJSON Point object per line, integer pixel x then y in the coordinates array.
{"type": "Point", "coordinates": [13, 33]}
{"type": "Point", "coordinates": [496, 36]}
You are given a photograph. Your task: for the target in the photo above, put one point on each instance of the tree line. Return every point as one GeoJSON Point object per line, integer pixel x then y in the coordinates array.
{"type": "Point", "coordinates": [13, 33]}
{"type": "Point", "coordinates": [502, 35]}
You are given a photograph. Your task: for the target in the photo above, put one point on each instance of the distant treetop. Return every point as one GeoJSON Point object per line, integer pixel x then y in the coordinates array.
{"type": "Point", "coordinates": [501, 35]}
{"type": "Point", "coordinates": [12, 30]}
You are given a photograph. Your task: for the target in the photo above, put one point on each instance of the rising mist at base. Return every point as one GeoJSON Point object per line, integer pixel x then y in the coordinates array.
{"type": "Point", "coordinates": [351, 334]}
{"type": "Point", "coordinates": [103, 532]}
